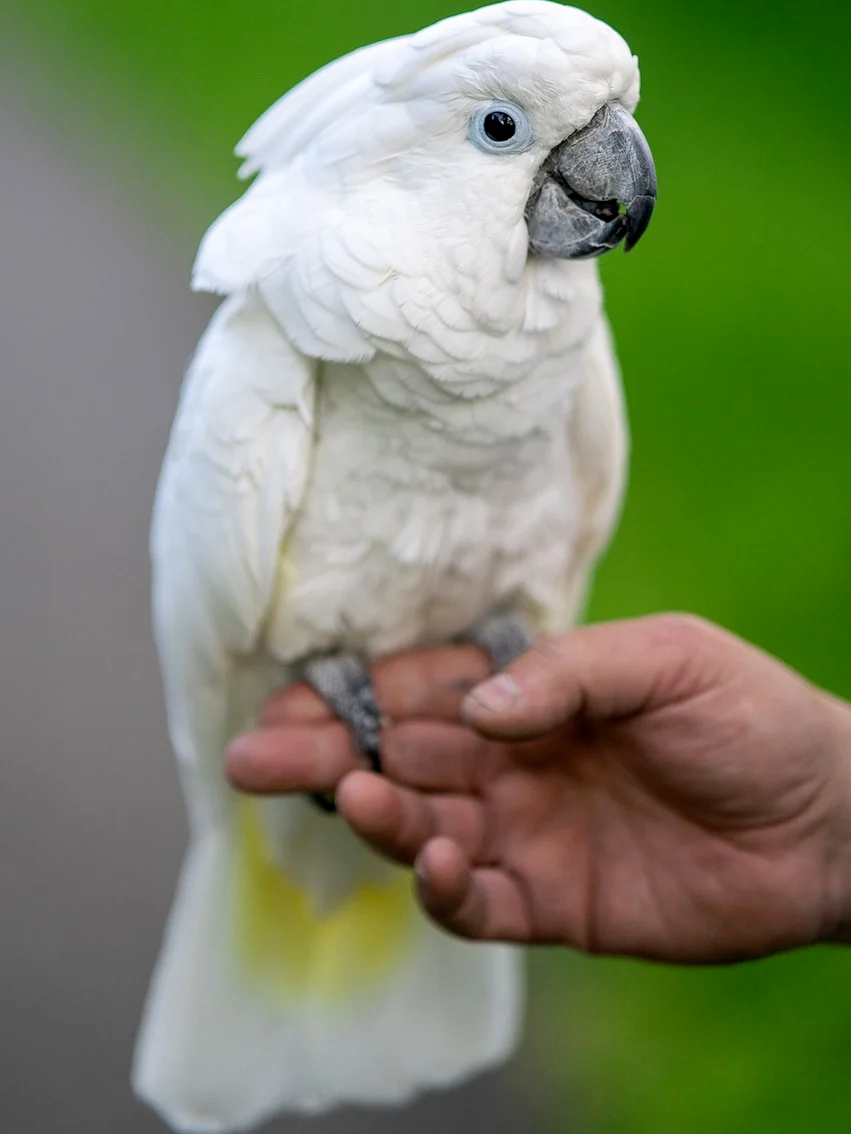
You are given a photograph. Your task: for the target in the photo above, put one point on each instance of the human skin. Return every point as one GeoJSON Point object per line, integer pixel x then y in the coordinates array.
{"type": "Point", "coordinates": [653, 788]}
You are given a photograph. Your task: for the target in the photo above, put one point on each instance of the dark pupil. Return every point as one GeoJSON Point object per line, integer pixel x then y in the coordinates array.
{"type": "Point", "coordinates": [499, 126]}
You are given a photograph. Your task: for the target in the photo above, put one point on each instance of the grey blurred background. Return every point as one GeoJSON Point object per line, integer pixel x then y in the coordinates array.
{"type": "Point", "coordinates": [96, 325]}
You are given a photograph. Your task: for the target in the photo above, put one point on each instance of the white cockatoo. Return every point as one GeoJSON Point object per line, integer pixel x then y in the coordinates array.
{"type": "Point", "coordinates": [403, 426]}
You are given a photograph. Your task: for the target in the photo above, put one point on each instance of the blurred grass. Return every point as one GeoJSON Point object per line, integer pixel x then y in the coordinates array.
{"type": "Point", "coordinates": [733, 329]}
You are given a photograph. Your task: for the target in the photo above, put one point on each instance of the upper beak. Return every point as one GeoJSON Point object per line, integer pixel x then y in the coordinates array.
{"type": "Point", "coordinates": [574, 209]}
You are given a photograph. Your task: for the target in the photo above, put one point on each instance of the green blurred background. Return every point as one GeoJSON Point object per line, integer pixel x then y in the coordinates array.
{"type": "Point", "coordinates": [732, 325]}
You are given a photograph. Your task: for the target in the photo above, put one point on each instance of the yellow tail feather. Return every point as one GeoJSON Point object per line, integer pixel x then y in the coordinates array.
{"type": "Point", "coordinates": [298, 952]}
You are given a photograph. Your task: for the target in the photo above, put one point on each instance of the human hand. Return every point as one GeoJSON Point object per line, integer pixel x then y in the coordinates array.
{"type": "Point", "coordinates": [655, 788]}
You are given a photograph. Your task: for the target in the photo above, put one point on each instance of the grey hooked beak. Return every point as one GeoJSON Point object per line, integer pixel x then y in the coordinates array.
{"type": "Point", "coordinates": [574, 209]}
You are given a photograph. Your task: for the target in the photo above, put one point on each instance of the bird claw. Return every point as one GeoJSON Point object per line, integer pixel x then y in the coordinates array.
{"type": "Point", "coordinates": [346, 687]}
{"type": "Point", "coordinates": [503, 637]}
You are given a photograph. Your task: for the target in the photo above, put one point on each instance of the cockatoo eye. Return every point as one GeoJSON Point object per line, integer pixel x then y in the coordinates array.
{"type": "Point", "coordinates": [501, 127]}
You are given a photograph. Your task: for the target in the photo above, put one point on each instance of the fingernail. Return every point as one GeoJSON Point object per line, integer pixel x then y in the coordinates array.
{"type": "Point", "coordinates": [495, 695]}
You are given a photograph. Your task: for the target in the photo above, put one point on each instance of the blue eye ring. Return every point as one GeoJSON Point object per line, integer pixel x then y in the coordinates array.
{"type": "Point", "coordinates": [501, 128]}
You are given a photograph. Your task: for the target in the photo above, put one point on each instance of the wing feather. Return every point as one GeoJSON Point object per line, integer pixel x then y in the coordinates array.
{"type": "Point", "coordinates": [232, 481]}
{"type": "Point", "coordinates": [599, 443]}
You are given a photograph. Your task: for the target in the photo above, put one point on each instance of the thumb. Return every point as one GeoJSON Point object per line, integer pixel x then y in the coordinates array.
{"type": "Point", "coordinates": [605, 671]}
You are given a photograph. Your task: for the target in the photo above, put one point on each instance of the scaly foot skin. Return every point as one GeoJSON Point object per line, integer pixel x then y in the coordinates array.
{"type": "Point", "coordinates": [503, 637]}
{"type": "Point", "coordinates": [346, 687]}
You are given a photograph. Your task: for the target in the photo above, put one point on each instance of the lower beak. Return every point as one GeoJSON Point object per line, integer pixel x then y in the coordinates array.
{"type": "Point", "coordinates": [595, 189]}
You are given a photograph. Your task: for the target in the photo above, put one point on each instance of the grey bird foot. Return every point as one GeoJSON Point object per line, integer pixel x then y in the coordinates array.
{"type": "Point", "coordinates": [346, 687]}
{"type": "Point", "coordinates": [503, 637]}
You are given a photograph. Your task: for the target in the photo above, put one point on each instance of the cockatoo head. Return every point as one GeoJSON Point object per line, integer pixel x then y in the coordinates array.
{"type": "Point", "coordinates": [523, 108]}
{"type": "Point", "coordinates": [424, 184]}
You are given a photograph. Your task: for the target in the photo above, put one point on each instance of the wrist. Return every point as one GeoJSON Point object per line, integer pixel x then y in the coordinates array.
{"type": "Point", "coordinates": [838, 831]}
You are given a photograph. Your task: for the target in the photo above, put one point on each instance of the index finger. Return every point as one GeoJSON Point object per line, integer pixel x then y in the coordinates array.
{"type": "Point", "coordinates": [420, 683]}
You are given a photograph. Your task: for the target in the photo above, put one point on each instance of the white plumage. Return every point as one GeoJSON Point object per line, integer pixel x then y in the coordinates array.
{"type": "Point", "coordinates": [397, 421]}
